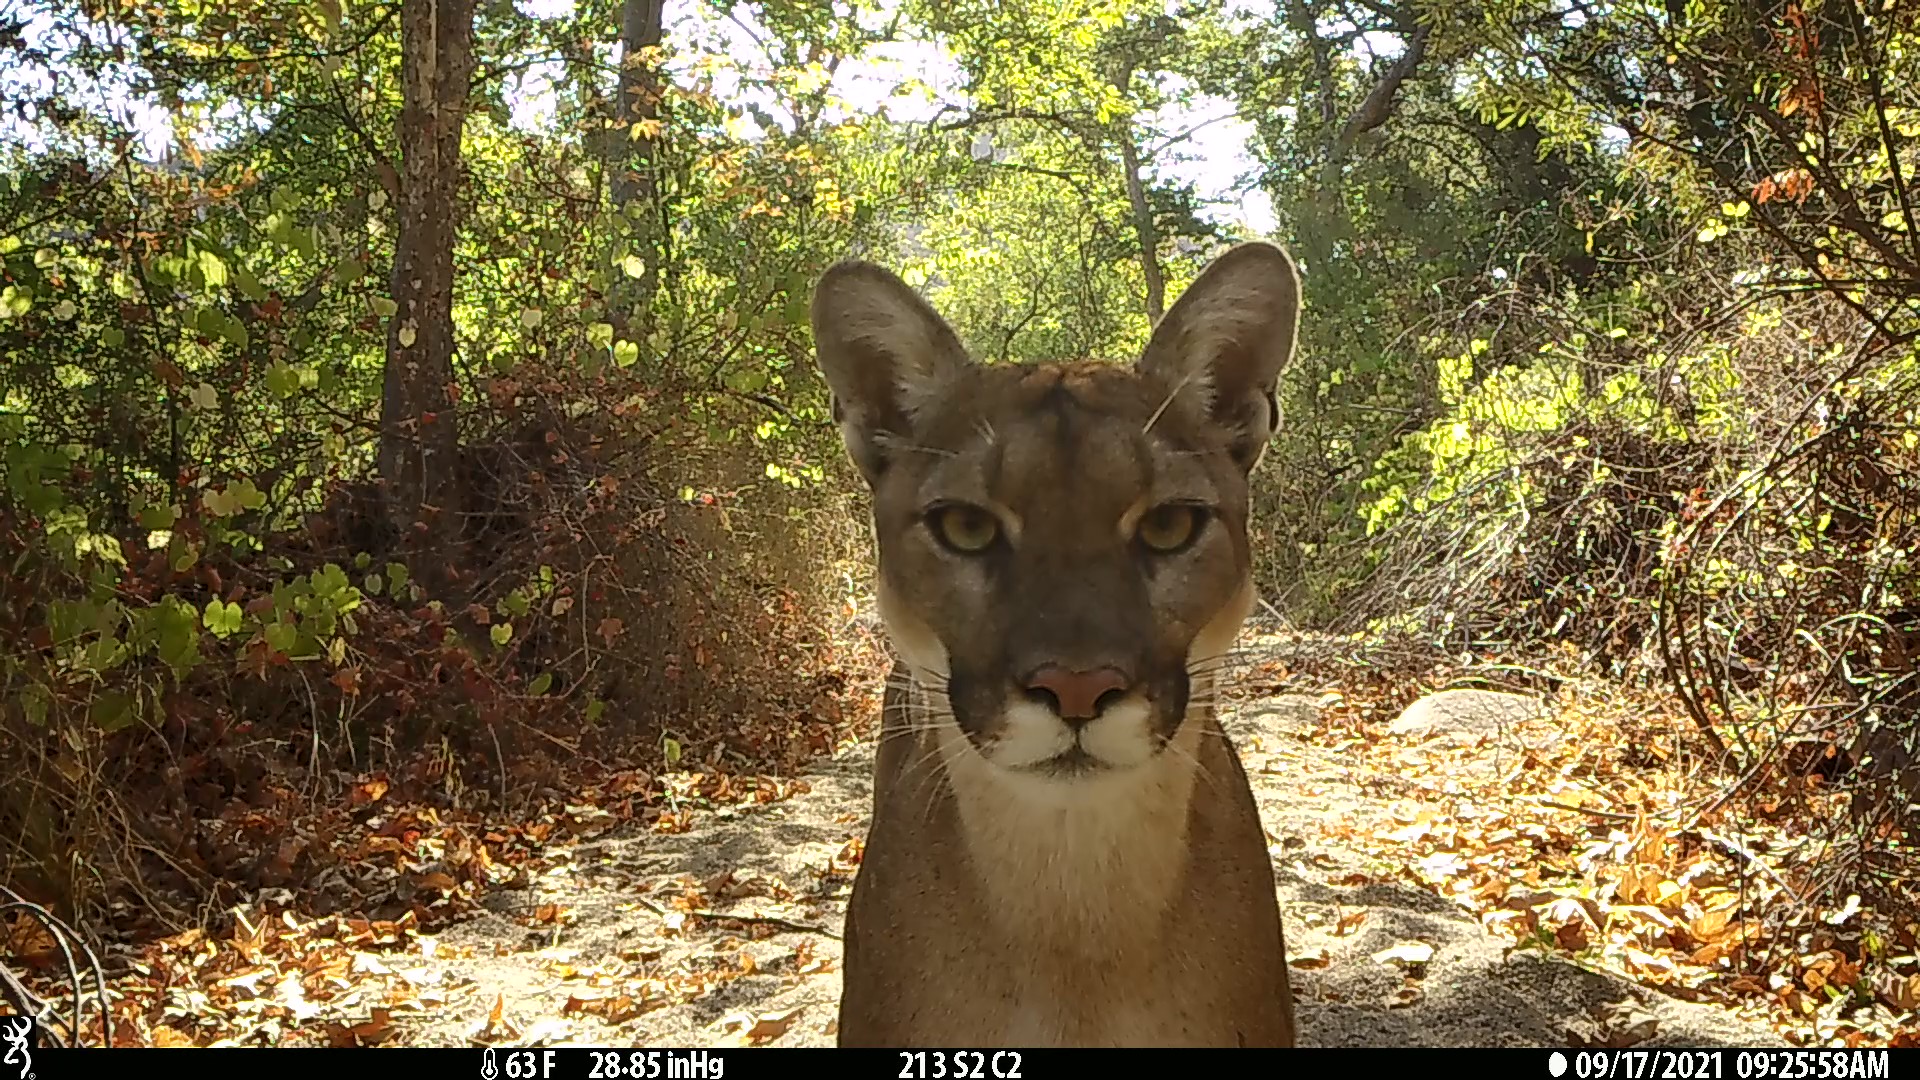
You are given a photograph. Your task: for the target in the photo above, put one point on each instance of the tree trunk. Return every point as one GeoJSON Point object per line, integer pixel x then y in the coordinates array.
{"type": "Point", "coordinates": [1143, 227]}
{"type": "Point", "coordinates": [1144, 231]}
{"type": "Point", "coordinates": [419, 435]}
{"type": "Point", "coordinates": [634, 148]}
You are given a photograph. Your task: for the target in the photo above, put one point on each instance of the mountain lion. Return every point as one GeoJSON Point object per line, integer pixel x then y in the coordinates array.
{"type": "Point", "coordinates": [1064, 848]}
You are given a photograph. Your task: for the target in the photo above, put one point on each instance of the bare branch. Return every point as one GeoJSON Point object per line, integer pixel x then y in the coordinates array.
{"type": "Point", "coordinates": [1379, 101]}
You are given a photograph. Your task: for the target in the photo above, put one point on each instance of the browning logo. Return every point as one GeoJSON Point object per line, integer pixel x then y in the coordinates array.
{"type": "Point", "coordinates": [17, 1037]}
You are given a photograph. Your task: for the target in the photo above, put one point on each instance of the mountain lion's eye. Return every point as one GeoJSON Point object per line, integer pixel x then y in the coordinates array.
{"type": "Point", "coordinates": [1170, 527]}
{"type": "Point", "coordinates": [968, 530]}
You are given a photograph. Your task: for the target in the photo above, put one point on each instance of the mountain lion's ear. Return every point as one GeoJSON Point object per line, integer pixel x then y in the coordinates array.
{"type": "Point", "coordinates": [884, 352]}
{"type": "Point", "coordinates": [1221, 349]}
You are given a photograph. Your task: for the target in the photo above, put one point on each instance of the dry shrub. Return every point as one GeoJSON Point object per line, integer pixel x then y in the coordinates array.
{"type": "Point", "coordinates": [1743, 533]}
{"type": "Point", "coordinates": [648, 630]}
{"type": "Point", "coordinates": [1789, 620]}
{"type": "Point", "coordinates": [705, 603]}
{"type": "Point", "coordinates": [1575, 565]}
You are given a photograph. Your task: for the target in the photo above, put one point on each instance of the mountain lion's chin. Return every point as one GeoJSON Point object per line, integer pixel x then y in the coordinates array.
{"type": "Point", "coordinates": [1032, 741]}
{"type": "Point", "coordinates": [1072, 766]}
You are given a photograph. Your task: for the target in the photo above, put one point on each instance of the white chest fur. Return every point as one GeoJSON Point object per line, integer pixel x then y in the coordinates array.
{"type": "Point", "coordinates": [1086, 866]}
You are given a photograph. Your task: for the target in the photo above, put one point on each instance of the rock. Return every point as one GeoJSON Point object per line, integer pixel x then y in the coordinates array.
{"type": "Point", "coordinates": [1465, 715]}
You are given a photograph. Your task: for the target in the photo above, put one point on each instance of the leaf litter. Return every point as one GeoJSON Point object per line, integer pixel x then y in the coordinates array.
{"type": "Point", "coordinates": [1585, 842]}
{"type": "Point", "coordinates": [1560, 847]}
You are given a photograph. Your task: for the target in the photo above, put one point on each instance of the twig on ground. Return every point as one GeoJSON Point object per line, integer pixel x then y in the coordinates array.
{"type": "Point", "coordinates": [1609, 815]}
{"type": "Point", "coordinates": [762, 920]}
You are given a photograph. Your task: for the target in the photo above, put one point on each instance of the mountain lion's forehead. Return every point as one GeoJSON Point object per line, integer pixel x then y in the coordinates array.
{"type": "Point", "coordinates": [1031, 436]}
{"type": "Point", "coordinates": [991, 400]}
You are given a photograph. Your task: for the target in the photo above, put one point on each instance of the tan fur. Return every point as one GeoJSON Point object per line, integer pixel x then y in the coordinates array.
{"type": "Point", "coordinates": [1030, 880]}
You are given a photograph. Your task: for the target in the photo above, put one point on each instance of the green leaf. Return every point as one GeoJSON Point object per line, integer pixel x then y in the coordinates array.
{"type": "Point", "coordinates": [222, 619]}
{"type": "Point", "coordinates": [625, 353]}
{"type": "Point", "coordinates": [670, 746]}
{"type": "Point", "coordinates": [541, 684]}
{"type": "Point", "coordinates": [281, 637]}
{"type": "Point", "coordinates": [600, 334]}
{"type": "Point", "coordinates": [282, 381]}
{"type": "Point", "coordinates": [102, 655]}
{"type": "Point", "coordinates": [595, 707]}
{"type": "Point", "coordinates": [112, 337]}
{"type": "Point", "coordinates": [213, 270]}
{"type": "Point", "coordinates": [37, 701]}
{"type": "Point", "coordinates": [384, 307]}
{"type": "Point", "coordinates": [249, 285]}
{"type": "Point", "coordinates": [501, 633]}
{"type": "Point", "coordinates": [159, 516]}
{"type": "Point", "coordinates": [373, 585]}
{"type": "Point", "coordinates": [113, 710]}
{"type": "Point", "coordinates": [632, 266]}
{"type": "Point", "coordinates": [397, 576]}
{"type": "Point", "coordinates": [177, 627]}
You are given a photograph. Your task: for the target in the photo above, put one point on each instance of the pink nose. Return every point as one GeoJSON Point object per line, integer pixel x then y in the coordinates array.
{"type": "Point", "coordinates": [1077, 694]}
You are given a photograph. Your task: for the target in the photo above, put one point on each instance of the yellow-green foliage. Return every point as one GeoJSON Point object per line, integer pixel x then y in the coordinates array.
{"type": "Point", "coordinates": [1496, 426]}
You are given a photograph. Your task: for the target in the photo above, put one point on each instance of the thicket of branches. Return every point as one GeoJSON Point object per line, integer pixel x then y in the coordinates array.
{"type": "Point", "coordinates": [1702, 473]}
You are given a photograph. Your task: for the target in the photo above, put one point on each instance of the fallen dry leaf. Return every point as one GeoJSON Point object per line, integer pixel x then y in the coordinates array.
{"type": "Point", "coordinates": [1310, 962]}
{"type": "Point", "coordinates": [772, 1025]}
{"type": "Point", "coordinates": [369, 1033]}
{"type": "Point", "coordinates": [440, 881]}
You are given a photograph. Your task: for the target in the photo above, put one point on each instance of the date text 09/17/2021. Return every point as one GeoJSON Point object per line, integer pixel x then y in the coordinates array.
{"type": "Point", "coordinates": [1721, 1064]}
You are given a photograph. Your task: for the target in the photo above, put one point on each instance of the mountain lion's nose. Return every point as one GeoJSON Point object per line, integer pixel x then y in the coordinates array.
{"type": "Point", "coordinates": [1077, 695]}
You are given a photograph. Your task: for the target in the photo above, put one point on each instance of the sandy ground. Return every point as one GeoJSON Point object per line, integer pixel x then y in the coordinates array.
{"type": "Point", "coordinates": [777, 862]}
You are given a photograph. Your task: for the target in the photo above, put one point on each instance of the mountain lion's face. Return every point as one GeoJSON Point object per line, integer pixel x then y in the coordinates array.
{"type": "Point", "coordinates": [1063, 548]}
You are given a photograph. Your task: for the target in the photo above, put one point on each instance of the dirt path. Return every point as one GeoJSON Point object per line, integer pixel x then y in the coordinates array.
{"type": "Point", "coordinates": [601, 950]}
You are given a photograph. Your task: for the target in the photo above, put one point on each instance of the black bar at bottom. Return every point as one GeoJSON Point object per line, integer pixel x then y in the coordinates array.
{"type": "Point", "coordinates": [570, 1063]}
